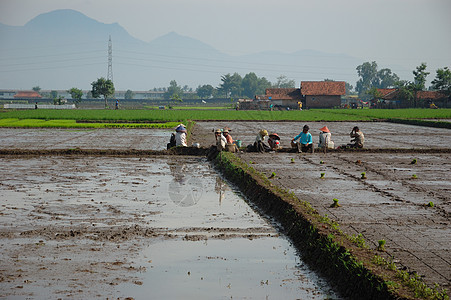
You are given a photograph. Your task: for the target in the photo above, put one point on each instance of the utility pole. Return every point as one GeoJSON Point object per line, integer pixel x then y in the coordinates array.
{"type": "Point", "coordinates": [110, 61]}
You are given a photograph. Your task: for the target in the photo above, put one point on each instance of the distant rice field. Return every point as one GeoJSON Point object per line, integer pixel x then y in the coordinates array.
{"type": "Point", "coordinates": [146, 118]}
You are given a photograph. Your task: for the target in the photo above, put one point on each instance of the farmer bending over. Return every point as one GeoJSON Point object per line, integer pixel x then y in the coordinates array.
{"type": "Point", "coordinates": [358, 138]}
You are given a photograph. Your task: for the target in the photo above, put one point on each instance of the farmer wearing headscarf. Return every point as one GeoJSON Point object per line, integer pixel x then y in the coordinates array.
{"type": "Point", "coordinates": [221, 141]}
{"type": "Point", "coordinates": [274, 141]}
{"type": "Point", "coordinates": [305, 140]}
{"type": "Point", "coordinates": [325, 138]}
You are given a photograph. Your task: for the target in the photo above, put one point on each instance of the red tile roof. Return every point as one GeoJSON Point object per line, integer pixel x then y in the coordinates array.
{"type": "Point", "coordinates": [430, 95]}
{"type": "Point", "coordinates": [323, 88]}
{"type": "Point", "coordinates": [283, 94]}
{"type": "Point", "coordinates": [385, 92]}
{"type": "Point", "coordinates": [27, 94]}
{"type": "Point", "coordinates": [422, 95]}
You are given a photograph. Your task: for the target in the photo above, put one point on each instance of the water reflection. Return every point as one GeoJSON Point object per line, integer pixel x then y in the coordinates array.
{"type": "Point", "coordinates": [186, 189]}
{"type": "Point", "coordinates": [220, 188]}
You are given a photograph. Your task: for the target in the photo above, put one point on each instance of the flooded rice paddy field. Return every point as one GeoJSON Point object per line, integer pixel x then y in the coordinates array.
{"type": "Point", "coordinates": [109, 138]}
{"type": "Point", "coordinates": [377, 134]}
{"type": "Point", "coordinates": [147, 228]}
{"type": "Point", "coordinates": [87, 227]}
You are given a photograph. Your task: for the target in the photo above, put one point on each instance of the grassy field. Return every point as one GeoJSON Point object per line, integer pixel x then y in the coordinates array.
{"type": "Point", "coordinates": [22, 118]}
{"type": "Point", "coordinates": [40, 123]}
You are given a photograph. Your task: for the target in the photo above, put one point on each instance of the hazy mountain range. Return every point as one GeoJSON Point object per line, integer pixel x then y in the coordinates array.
{"type": "Point", "coordinates": [64, 48]}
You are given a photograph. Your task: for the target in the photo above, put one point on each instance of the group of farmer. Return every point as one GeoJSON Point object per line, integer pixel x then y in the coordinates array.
{"type": "Point", "coordinates": [225, 142]}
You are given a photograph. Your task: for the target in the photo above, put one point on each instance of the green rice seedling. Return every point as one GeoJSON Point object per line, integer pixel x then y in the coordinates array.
{"type": "Point", "coordinates": [322, 175]}
{"type": "Point", "coordinates": [273, 174]}
{"type": "Point", "coordinates": [414, 176]}
{"type": "Point", "coordinates": [430, 204]}
{"type": "Point", "coordinates": [292, 160]}
{"type": "Point", "coordinates": [414, 161]}
{"type": "Point", "coordinates": [363, 174]}
{"type": "Point", "coordinates": [335, 203]}
{"type": "Point", "coordinates": [381, 246]}
{"type": "Point", "coordinates": [321, 162]}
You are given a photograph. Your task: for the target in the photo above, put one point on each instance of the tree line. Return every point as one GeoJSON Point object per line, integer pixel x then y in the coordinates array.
{"type": "Point", "coordinates": [372, 79]}
{"type": "Point", "coordinates": [235, 86]}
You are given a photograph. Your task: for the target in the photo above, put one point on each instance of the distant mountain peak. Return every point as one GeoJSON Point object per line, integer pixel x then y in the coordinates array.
{"type": "Point", "coordinates": [59, 16]}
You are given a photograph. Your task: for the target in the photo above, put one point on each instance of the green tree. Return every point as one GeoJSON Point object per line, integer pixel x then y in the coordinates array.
{"type": "Point", "coordinates": [420, 75]}
{"type": "Point", "coordinates": [173, 92]}
{"type": "Point", "coordinates": [129, 94]}
{"type": "Point", "coordinates": [250, 85]}
{"type": "Point", "coordinates": [419, 82]}
{"type": "Point", "coordinates": [53, 94]}
{"type": "Point", "coordinates": [205, 91]}
{"type": "Point", "coordinates": [284, 83]}
{"type": "Point", "coordinates": [368, 77]}
{"type": "Point", "coordinates": [442, 80]}
{"type": "Point", "coordinates": [405, 91]}
{"type": "Point", "coordinates": [103, 87]}
{"type": "Point", "coordinates": [59, 100]}
{"type": "Point", "coordinates": [36, 89]}
{"type": "Point", "coordinates": [226, 85]}
{"type": "Point", "coordinates": [76, 95]}
{"type": "Point", "coordinates": [236, 89]}
{"type": "Point", "coordinates": [349, 88]}
{"type": "Point", "coordinates": [386, 79]}
{"type": "Point", "coordinates": [263, 84]}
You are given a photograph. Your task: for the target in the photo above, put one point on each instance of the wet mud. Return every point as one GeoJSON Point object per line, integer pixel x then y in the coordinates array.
{"type": "Point", "coordinates": [49, 227]}
{"type": "Point", "coordinates": [88, 227]}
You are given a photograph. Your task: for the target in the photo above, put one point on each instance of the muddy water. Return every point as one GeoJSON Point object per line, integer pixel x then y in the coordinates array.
{"type": "Point", "coordinates": [149, 228]}
{"type": "Point", "coordinates": [119, 139]}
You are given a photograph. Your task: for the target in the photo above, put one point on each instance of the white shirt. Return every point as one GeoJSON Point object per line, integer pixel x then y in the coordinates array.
{"type": "Point", "coordinates": [180, 139]}
{"type": "Point", "coordinates": [324, 140]}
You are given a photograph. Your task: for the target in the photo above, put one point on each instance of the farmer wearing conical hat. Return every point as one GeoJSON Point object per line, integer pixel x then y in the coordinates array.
{"type": "Point", "coordinates": [259, 144]}
{"type": "Point", "coordinates": [325, 138]}
{"type": "Point", "coordinates": [274, 141]}
{"type": "Point", "coordinates": [180, 136]}
{"type": "Point", "coordinates": [221, 141]}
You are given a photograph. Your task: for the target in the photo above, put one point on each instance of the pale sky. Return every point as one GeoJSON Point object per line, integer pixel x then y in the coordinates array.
{"type": "Point", "coordinates": [404, 32]}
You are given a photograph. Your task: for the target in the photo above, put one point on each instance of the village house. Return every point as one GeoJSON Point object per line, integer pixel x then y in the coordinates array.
{"type": "Point", "coordinates": [27, 95]}
{"type": "Point", "coordinates": [323, 94]}
{"type": "Point", "coordinates": [290, 97]}
{"type": "Point", "coordinates": [311, 94]}
{"type": "Point", "coordinates": [391, 98]}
